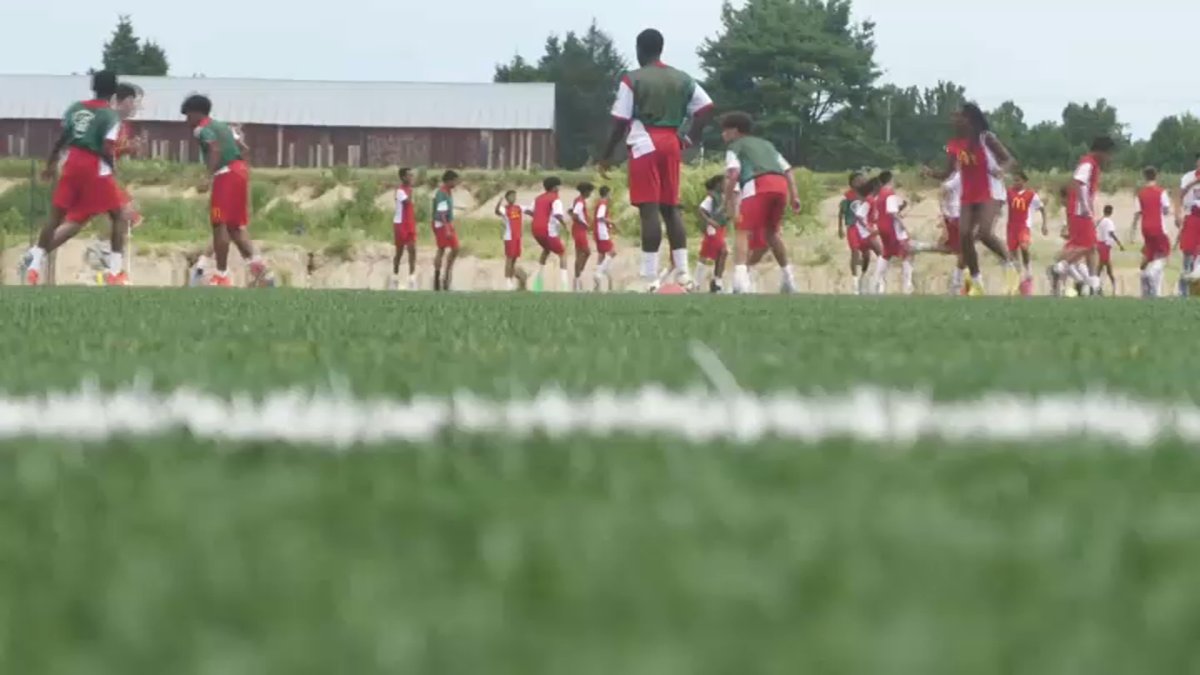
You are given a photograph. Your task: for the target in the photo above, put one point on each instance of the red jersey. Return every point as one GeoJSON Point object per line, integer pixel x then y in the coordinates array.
{"type": "Point", "coordinates": [1087, 173]}
{"type": "Point", "coordinates": [1019, 205]}
{"type": "Point", "coordinates": [971, 158]}
{"type": "Point", "coordinates": [545, 208]}
{"type": "Point", "coordinates": [405, 213]}
{"type": "Point", "coordinates": [579, 214]}
{"type": "Point", "coordinates": [514, 217]}
{"type": "Point", "coordinates": [886, 221]}
{"type": "Point", "coordinates": [1152, 202]}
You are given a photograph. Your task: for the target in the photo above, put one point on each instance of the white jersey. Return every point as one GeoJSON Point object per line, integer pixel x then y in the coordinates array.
{"type": "Point", "coordinates": [894, 202]}
{"type": "Point", "coordinates": [602, 231]}
{"type": "Point", "coordinates": [1190, 185]}
{"type": "Point", "coordinates": [862, 217]}
{"type": "Point", "coordinates": [952, 197]}
{"type": "Point", "coordinates": [1106, 232]}
{"type": "Point", "coordinates": [401, 197]}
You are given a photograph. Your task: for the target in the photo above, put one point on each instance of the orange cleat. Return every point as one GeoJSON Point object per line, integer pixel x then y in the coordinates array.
{"type": "Point", "coordinates": [119, 279]}
{"type": "Point", "coordinates": [32, 277]}
{"type": "Point", "coordinates": [220, 280]}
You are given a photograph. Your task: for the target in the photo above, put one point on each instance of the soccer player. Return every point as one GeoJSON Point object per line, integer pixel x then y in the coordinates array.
{"type": "Point", "coordinates": [1106, 238]}
{"type": "Point", "coordinates": [889, 208]}
{"type": "Point", "coordinates": [951, 208]}
{"type": "Point", "coordinates": [978, 157]}
{"type": "Point", "coordinates": [443, 232]}
{"type": "Point", "coordinates": [713, 250]}
{"type": "Point", "coordinates": [767, 187]}
{"type": "Point", "coordinates": [651, 106]}
{"type": "Point", "coordinates": [513, 216]}
{"type": "Point", "coordinates": [87, 187]}
{"type": "Point", "coordinates": [404, 231]}
{"type": "Point", "coordinates": [580, 231]}
{"type": "Point", "coordinates": [860, 251]}
{"type": "Point", "coordinates": [1023, 202]}
{"type": "Point", "coordinates": [548, 216]}
{"type": "Point", "coordinates": [1081, 224]}
{"type": "Point", "coordinates": [863, 208]}
{"type": "Point", "coordinates": [1187, 220]}
{"type": "Point", "coordinates": [605, 229]}
{"type": "Point", "coordinates": [129, 101]}
{"type": "Point", "coordinates": [1153, 207]}
{"type": "Point", "coordinates": [229, 184]}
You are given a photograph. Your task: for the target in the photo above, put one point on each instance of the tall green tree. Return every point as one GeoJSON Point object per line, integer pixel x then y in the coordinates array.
{"type": "Point", "coordinates": [793, 65]}
{"type": "Point", "coordinates": [1174, 144]}
{"type": "Point", "coordinates": [126, 54]}
{"type": "Point", "coordinates": [1084, 122]}
{"type": "Point", "coordinates": [585, 70]}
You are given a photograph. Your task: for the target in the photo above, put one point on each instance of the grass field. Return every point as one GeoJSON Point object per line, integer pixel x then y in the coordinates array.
{"type": "Point", "coordinates": [604, 552]}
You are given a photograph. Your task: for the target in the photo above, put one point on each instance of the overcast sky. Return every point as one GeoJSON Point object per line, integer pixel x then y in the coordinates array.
{"type": "Point", "coordinates": [1019, 49]}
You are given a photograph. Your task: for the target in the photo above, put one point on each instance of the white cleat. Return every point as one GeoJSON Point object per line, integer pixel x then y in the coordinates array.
{"type": "Point", "coordinates": [685, 280]}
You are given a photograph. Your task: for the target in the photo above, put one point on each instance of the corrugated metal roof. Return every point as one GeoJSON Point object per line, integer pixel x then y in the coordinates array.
{"type": "Point", "coordinates": [403, 105]}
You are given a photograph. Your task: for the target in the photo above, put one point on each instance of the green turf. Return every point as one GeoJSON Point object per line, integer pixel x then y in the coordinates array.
{"type": "Point", "coordinates": [476, 555]}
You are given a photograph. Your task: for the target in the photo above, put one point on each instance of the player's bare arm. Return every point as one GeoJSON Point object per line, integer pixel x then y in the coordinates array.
{"type": "Point", "coordinates": [731, 195]}
{"type": "Point", "coordinates": [1045, 222]}
{"type": "Point", "coordinates": [52, 160]}
{"type": "Point", "coordinates": [793, 193]}
{"type": "Point", "coordinates": [499, 205]}
{"type": "Point", "coordinates": [699, 121]}
{"type": "Point", "coordinates": [944, 174]}
{"type": "Point", "coordinates": [1003, 157]}
{"type": "Point", "coordinates": [213, 164]}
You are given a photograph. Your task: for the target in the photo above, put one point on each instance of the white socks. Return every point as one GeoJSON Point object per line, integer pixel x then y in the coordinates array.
{"type": "Point", "coordinates": [1094, 284]}
{"type": "Point", "coordinates": [856, 282]}
{"type": "Point", "coordinates": [789, 279]}
{"type": "Point", "coordinates": [116, 262]}
{"type": "Point", "coordinates": [679, 257]}
{"type": "Point", "coordinates": [881, 268]}
{"type": "Point", "coordinates": [956, 280]}
{"type": "Point", "coordinates": [701, 273]}
{"type": "Point", "coordinates": [650, 266]}
{"type": "Point", "coordinates": [564, 279]}
{"type": "Point", "coordinates": [741, 279]}
{"type": "Point", "coordinates": [37, 255]}
{"type": "Point", "coordinates": [906, 269]}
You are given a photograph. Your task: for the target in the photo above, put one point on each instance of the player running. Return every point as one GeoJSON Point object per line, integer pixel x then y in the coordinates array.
{"type": "Point", "coordinates": [1187, 220]}
{"type": "Point", "coordinates": [87, 187]}
{"type": "Point", "coordinates": [714, 252]}
{"type": "Point", "coordinates": [1081, 224]}
{"type": "Point", "coordinates": [767, 187]}
{"type": "Point", "coordinates": [860, 248]}
{"type": "Point", "coordinates": [513, 216]}
{"type": "Point", "coordinates": [1106, 238]}
{"type": "Point", "coordinates": [229, 184]}
{"type": "Point", "coordinates": [889, 210]}
{"type": "Point", "coordinates": [980, 158]}
{"type": "Point", "coordinates": [651, 106]}
{"type": "Point", "coordinates": [404, 231]}
{"type": "Point", "coordinates": [580, 231]}
{"type": "Point", "coordinates": [1153, 207]}
{"type": "Point", "coordinates": [548, 216]}
{"type": "Point", "coordinates": [605, 228]}
{"type": "Point", "coordinates": [1023, 202]}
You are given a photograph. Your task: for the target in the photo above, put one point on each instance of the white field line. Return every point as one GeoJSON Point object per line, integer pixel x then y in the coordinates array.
{"type": "Point", "coordinates": [875, 415]}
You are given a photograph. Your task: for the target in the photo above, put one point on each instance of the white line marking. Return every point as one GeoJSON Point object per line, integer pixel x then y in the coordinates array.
{"type": "Point", "coordinates": [340, 420]}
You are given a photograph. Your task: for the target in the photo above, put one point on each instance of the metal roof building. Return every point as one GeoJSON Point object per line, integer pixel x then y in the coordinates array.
{"type": "Point", "coordinates": [313, 123]}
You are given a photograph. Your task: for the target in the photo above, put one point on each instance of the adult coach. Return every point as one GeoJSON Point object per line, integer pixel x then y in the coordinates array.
{"type": "Point", "coordinates": [652, 104]}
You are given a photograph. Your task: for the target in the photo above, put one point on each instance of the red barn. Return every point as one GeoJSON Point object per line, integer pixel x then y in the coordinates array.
{"type": "Point", "coordinates": [291, 123]}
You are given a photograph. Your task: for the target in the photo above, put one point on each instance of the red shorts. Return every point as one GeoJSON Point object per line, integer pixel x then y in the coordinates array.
{"type": "Point", "coordinates": [953, 238]}
{"type": "Point", "coordinates": [763, 211]}
{"type": "Point", "coordinates": [654, 177]}
{"type": "Point", "coordinates": [713, 245]}
{"type": "Point", "coordinates": [405, 234]}
{"type": "Point", "coordinates": [853, 239]}
{"type": "Point", "coordinates": [230, 201]}
{"type": "Point", "coordinates": [512, 249]}
{"type": "Point", "coordinates": [445, 236]}
{"type": "Point", "coordinates": [1105, 253]}
{"type": "Point", "coordinates": [580, 235]}
{"type": "Point", "coordinates": [1156, 247]}
{"type": "Point", "coordinates": [758, 240]}
{"type": "Point", "coordinates": [893, 247]}
{"type": "Point", "coordinates": [82, 193]}
{"type": "Point", "coordinates": [550, 244]}
{"type": "Point", "coordinates": [604, 246]}
{"type": "Point", "coordinates": [1018, 238]}
{"type": "Point", "coordinates": [1081, 233]}
{"type": "Point", "coordinates": [1189, 237]}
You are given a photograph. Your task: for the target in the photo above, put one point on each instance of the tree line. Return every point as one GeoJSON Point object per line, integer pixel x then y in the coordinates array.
{"type": "Point", "coordinates": [808, 74]}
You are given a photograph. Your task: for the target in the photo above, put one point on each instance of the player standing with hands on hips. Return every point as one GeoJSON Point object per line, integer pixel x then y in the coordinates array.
{"type": "Point", "coordinates": [651, 106]}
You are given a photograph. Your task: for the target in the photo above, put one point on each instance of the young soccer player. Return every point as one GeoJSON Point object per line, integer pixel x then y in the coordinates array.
{"type": "Point", "coordinates": [860, 251]}
{"type": "Point", "coordinates": [767, 187]}
{"type": "Point", "coordinates": [978, 157]}
{"type": "Point", "coordinates": [1023, 202]}
{"type": "Point", "coordinates": [889, 209]}
{"type": "Point", "coordinates": [1187, 220]}
{"type": "Point", "coordinates": [950, 197]}
{"type": "Point", "coordinates": [205, 260]}
{"type": "Point", "coordinates": [513, 216]}
{"type": "Point", "coordinates": [404, 231]}
{"type": "Point", "coordinates": [229, 184]}
{"type": "Point", "coordinates": [128, 103]}
{"type": "Point", "coordinates": [1081, 224]}
{"type": "Point", "coordinates": [1106, 238]}
{"type": "Point", "coordinates": [651, 106]}
{"type": "Point", "coordinates": [580, 231]}
{"type": "Point", "coordinates": [443, 232]}
{"type": "Point", "coordinates": [1153, 207]}
{"type": "Point", "coordinates": [713, 250]}
{"type": "Point", "coordinates": [87, 187]}
{"type": "Point", "coordinates": [548, 216]}
{"type": "Point", "coordinates": [863, 208]}
{"type": "Point", "coordinates": [605, 228]}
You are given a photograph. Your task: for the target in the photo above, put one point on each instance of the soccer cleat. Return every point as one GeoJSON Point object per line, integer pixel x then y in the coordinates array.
{"type": "Point", "coordinates": [1026, 287]}
{"type": "Point", "coordinates": [218, 279]}
{"type": "Point", "coordinates": [1012, 281]}
{"type": "Point", "coordinates": [716, 286]}
{"type": "Point", "coordinates": [685, 280]}
{"type": "Point", "coordinates": [974, 289]}
{"type": "Point", "coordinates": [118, 279]}
{"type": "Point", "coordinates": [32, 277]}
